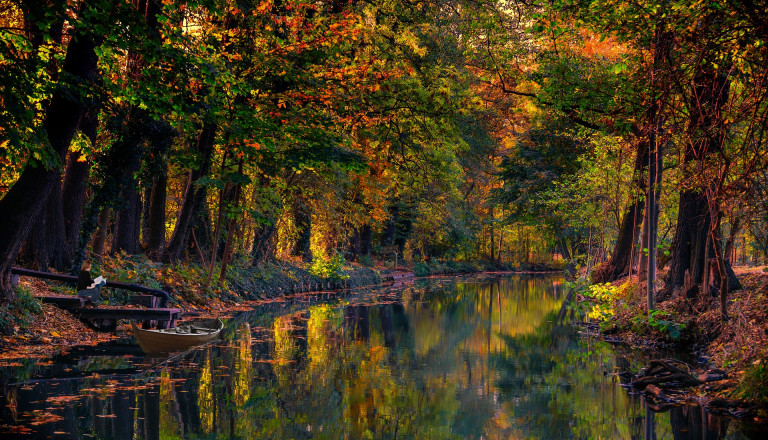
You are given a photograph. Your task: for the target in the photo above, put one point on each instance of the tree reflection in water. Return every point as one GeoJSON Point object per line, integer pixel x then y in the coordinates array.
{"type": "Point", "coordinates": [442, 360]}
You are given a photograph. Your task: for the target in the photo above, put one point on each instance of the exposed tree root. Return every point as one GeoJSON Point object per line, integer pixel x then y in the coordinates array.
{"type": "Point", "coordinates": [668, 372]}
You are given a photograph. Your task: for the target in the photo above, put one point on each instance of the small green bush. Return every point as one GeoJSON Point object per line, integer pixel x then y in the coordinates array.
{"type": "Point", "coordinates": [329, 268]}
{"type": "Point", "coordinates": [659, 321]}
{"type": "Point", "coordinates": [421, 269]}
{"type": "Point", "coordinates": [754, 384]}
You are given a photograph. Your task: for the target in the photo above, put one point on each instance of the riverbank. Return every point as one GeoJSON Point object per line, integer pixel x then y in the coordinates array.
{"type": "Point", "coordinates": [43, 330]}
{"type": "Point", "coordinates": [728, 373]}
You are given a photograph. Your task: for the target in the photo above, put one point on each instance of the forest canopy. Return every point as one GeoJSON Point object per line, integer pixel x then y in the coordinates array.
{"type": "Point", "coordinates": [611, 136]}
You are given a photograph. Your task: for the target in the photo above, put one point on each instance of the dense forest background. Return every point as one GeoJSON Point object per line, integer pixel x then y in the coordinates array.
{"type": "Point", "coordinates": [607, 135]}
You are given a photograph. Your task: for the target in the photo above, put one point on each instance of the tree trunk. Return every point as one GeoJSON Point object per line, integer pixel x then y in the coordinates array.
{"type": "Point", "coordinates": [722, 274]}
{"type": "Point", "coordinates": [202, 232]}
{"type": "Point", "coordinates": [302, 217]}
{"type": "Point", "coordinates": [493, 238]}
{"type": "Point", "coordinates": [263, 243]}
{"type": "Point", "coordinates": [642, 265]}
{"type": "Point", "coordinates": [127, 235]}
{"type": "Point", "coordinates": [563, 245]}
{"type": "Point", "coordinates": [662, 41]}
{"type": "Point", "coordinates": [353, 244]}
{"type": "Point", "coordinates": [232, 228]}
{"type": "Point", "coordinates": [690, 240]}
{"type": "Point", "coordinates": [652, 216]}
{"type": "Point", "coordinates": [156, 215]}
{"type": "Point", "coordinates": [146, 200]}
{"type": "Point", "coordinates": [366, 238]}
{"type": "Point", "coordinates": [194, 195]}
{"type": "Point", "coordinates": [45, 246]}
{"type": "Point", "coordinates": [390, 226]}
{"type": "Point", "coordinates": [710, 92]}
{"type": "Point", "coordinates": [128, 152]}
{"type": "Point", "coordinates": [100, 239]}
{"type": "Point", "coordinates": [730, 254]}
{"type": "Point", "coordinates": [139, 126]}
{"type": "Point", "coordinates": [24, 201]}
{"type": "Point", "coordinates": [76, 183]}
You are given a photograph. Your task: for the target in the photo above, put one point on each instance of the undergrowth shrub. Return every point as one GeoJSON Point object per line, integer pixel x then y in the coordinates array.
{"type": "Point", "coordinates": [603, 296]}
{"type": "Point", "coordinates": [329, 268]}
{"type": "Point", "coordinates": [182, 280]}
{"type": "Point", "coordinates": [20, 313]}
{"type": "Point", "coordinates": [615, 307]}
{"type": "Point", "coordinates": [753, 386]}
{"type": "Point", "coordinates": [133, 269]}
{"type": "Point", "coordinates": [659, 321]}
{"type": "Point", "coordinates": [421, 269]}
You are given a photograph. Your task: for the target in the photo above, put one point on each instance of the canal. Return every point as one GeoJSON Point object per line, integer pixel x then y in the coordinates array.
{"type": "Point", "coordinates": [439, 359]}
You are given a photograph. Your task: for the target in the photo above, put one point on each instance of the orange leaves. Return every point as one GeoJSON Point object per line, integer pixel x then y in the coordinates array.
{"type": "Point", "coordinates": [594, 45]}
{"type": "Point", "coordinates": [23, 430]}
{"type": "Point", "coordinates": [40, 417]}
{"type": "Point", "coordinates": [63, 400]}
{"type": "Point", "coordinates": [263, 7]}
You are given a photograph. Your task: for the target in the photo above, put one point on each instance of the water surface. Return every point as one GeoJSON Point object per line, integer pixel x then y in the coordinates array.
{"type": "Point", "coordinates": [441, 359]}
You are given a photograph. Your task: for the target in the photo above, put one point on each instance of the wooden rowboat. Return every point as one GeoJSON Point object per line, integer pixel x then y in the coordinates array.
{"type": "Point", "coordinates": [177, 338]}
